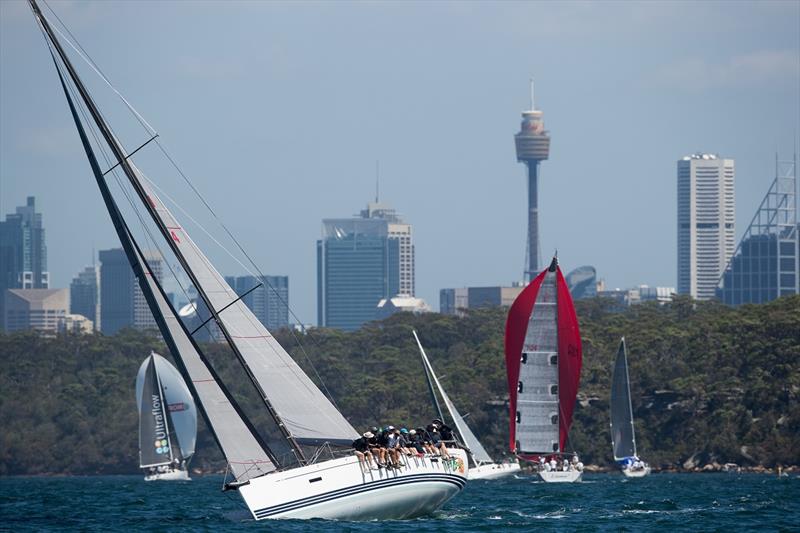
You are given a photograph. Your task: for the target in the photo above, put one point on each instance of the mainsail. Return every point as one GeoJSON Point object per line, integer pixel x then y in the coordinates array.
{"type": "Point", "coordinates": [155, 443]}
{"type": "Point", "coordinates": [543, 363]}
{"type": "Point", "coordinates": [177, 400]}
{"type": "Point", "coordinates": [470, 440]}
{"type": "Point", "coordinates": [622, 434]}
{"type": "Point", "coordinates": [299, 408]}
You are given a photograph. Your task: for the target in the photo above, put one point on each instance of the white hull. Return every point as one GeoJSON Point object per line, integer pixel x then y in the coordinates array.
{"type": "Point", "coordinates": [642, 472]}
{"type": "Point", "coordinates": [559, 476]}
{"type": "Point", "coordinates": [492, 470]}
{"type": "Point", "coordinates": [172, 475]}
{"type": "Point", "coordinates": [341, 489]}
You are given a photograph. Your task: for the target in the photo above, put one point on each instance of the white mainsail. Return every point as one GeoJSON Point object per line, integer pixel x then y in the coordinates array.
{"type": "Point", "coordinates": [537, 402]}
{"type": "Point", "coordinates": [477, 450]}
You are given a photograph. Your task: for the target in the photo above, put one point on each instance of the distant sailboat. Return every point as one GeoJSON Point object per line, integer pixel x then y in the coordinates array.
{"type": "Point", "coordinates": [481, 466]}
{"type": "Point", "coordinates": [319, 477]}
{"type": "Point", "coordinates": [623, 437]}
{"type": "Point", "coordinates": [543, 362]}
{"type": "Point", "coordinates": [167, 416]}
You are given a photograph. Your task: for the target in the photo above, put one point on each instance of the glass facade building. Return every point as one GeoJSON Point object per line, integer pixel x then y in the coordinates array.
{"type": "Point", "coordinates": [766, 264]}
{"type": "Point", "coordinates": [269, 301]}
{"type": "Point", "coordinates": [582, 282]}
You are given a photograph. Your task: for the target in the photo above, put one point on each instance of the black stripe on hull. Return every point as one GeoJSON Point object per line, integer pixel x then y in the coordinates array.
{"type": "Point", "coordinates": [458, 481]}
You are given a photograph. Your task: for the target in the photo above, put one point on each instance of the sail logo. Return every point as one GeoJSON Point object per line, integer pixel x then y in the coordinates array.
{"type": "Point", "coordinates": [173, 407]}
{"type": "Point", "coordinates": [159, 427]}
{"type": "Point", "coordinates": [175, 236]}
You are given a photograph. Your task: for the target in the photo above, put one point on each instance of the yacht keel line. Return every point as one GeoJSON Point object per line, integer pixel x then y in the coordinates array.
{"type": "Point", "coordinates": [271, 485]}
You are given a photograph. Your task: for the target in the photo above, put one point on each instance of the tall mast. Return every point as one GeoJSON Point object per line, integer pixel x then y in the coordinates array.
{"type": "Point", "coordinates": [428, 378]}
{"type": "Point", "coordinates": [122, 161]}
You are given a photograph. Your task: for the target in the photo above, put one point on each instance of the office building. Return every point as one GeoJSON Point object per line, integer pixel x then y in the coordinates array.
{"type": "Point", "coordinates": [122, 304]}
{"type": "Point", "coordinates": [402, 303]}
{"type": "Point", "coordinates": [84, 295]}
{"type": "Point", "coordinates": [765, 265]}
{"type": "Point", "coordinates": [533, 146]}
{"type": "Point", "coordinates": [23, 252]}
{"type": "Point", "coordinates": [455, 301]}
{"type": "Point", "coordinates": [266, 296]}
{"type": "Point", "coordinates": [35, 309]}
{"type": "Point", "coordinates": [360, 261]}
{"type": "Point", "coordinates": [706, 224]}
{"type": "Point", "coordinates": [582, 282]}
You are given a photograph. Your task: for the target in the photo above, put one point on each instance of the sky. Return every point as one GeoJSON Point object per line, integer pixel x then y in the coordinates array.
{"type": "Point", "coordinates": [278, 112]}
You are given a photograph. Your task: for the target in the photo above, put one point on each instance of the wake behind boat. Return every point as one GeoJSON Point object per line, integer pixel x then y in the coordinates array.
{"type": "Point", "coordinates": [543, 362]}
{"type": "Point", "coordinates": [623, 435]}
{"type": "Point", "coordinates": [297, 484]}
{"type": "Point", "coordinates": [481, 464]}
{"type": "Point", "coordinates": [167, 421]}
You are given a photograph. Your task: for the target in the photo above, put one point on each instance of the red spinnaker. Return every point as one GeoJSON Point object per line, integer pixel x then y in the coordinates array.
{"type": "Point", "coordinates": [569, 349]}
{"type": "Point", "coordinates": [570, 357]}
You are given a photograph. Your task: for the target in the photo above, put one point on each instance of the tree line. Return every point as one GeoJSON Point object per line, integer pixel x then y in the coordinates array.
{"type": "Point", "coordinates": [708, 383]}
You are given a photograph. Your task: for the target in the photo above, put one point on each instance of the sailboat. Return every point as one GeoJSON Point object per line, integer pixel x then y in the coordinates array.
{"type": "Point", "coordinates": [543, 362]}
{"type": "Point", "coordinates": [304, 483]}
{"type": "Point", "coordinates": [167, 421]}
{"type": "Point", "coordinates": [481, 464]}
{"type": "Point", "coordinates": [623, 436]}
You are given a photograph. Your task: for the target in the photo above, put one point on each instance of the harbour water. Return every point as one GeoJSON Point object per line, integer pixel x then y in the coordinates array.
{"type": "Point", "coordinates": [603, 502]}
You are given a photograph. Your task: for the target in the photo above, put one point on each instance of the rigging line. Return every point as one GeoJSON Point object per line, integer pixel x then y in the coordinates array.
{"type": "Point", "coordinates": [227, 306]}
{"type": "Point", "coordinates": [85, 56]}
{"type": "Point", "coordinates": [131, 154]}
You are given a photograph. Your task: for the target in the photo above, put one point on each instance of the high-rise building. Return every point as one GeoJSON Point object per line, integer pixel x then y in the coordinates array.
{"type": "Point", "coordinates": [533, 147]}
{"type": "Point", "coordinates": [23, 253]}
{"type": "Point", "coordinates": [454, 301]}
{"type": "Point", "coordinates": [360, 261]}
{"type": "Point", "coordinates": [766, 265]}
{"type": "Point", "coordinates": [84, 292]}
{"type": "Point", "coordinates": [122, 303]}
{"type": "Point", "coordinates": [44, 310]}
{"type": "Point", "coordinates": [706, 212]}
{"type": "Point", "coordinates": [266, 296]}
{"type": "Point", "coordinates": [582, 282]}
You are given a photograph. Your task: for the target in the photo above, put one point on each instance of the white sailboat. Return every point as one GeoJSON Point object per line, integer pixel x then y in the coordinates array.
{"type": "Point", "coordinates": [623, 435]}
{"type": "Point", "coordinates": [302, 484]}
{"type": "Point", "coordinates": [481, 464]}
{"type": "Point", "coordinates": [167, 421]}
{"type": "Point", "coordinates": [543, 362]}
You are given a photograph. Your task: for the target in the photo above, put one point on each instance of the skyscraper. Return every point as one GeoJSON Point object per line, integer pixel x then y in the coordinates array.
{"type": "Point", "coordinates": [766, 265]}
{"type": "Point", "coordinates": [360, 261]}
{"type": "Point", "coordinates": [269, 301]}
{"type": "Point", "coordinates": [84, 295]}
{"type": "Point", "coordinates": [122, 303]}
{"type": "Point", "coordinates": [582, 282]}
{"type": "Point", "coordinates": [706, 212]}
{"type": "Point", "coordinates": [23, 253]}
{"type": "Point", "coordinates": [533, 147]}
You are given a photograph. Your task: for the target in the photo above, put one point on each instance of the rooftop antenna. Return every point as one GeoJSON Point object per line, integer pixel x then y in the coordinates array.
{"type": "Point", "coordinates": [533, 107]}
{"type": "Point", "coordinates": [377, 179]}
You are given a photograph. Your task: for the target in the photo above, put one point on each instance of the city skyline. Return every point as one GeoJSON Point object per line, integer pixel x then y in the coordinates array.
{"type": "Point", "coordinates": [604, 187]}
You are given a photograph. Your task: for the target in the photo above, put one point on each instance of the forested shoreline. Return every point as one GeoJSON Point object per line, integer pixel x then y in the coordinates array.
{"type": "Point", "coordinates": [710, 384]}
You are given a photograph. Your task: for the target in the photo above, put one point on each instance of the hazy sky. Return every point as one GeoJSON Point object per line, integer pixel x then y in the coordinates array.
{"type": "Point", "coordinates": [278, 112]}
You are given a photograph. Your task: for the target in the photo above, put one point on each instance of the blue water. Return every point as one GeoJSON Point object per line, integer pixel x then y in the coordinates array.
{"type": "Point", "coordinates": [603, 502]}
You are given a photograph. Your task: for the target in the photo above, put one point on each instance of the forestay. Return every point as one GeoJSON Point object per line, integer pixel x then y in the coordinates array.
{"type": "Point", "coordinates": [622, 434]}
{"type": "Point", "coordinates": [306, 413]}
{"type": "Point", "coordinates": [476, 449]}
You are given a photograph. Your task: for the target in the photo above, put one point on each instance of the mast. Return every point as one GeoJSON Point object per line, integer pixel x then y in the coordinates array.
{"type": "Point", "coordinates": [164, 410]}
{"type": "Point", "coordinates": [123, 162]}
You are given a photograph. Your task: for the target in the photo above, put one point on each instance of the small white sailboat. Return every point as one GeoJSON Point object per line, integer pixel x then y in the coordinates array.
{"type": "Point", "coordinates": [167, 421]}
{"type": "Point", "coordinates": [301, 483]}
{"type": "Point", "coordinates": [481, 465]}
{"type": "Point", "coordinates": [623, 435]}
{"type": "Point", "coordinates": [543, 362]}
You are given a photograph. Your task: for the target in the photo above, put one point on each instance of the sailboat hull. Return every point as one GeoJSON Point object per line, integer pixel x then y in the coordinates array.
{"type": "Point", "coordinates": [172, 475]}
{"type": "Point", "coordinates": [342, 489]}
{"type": "Point", "coordinates": [488, 471]}
{"type": "Point", "coordinates": [641, 472]}
{"type": "Point", "coordinates": [572, 476]}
